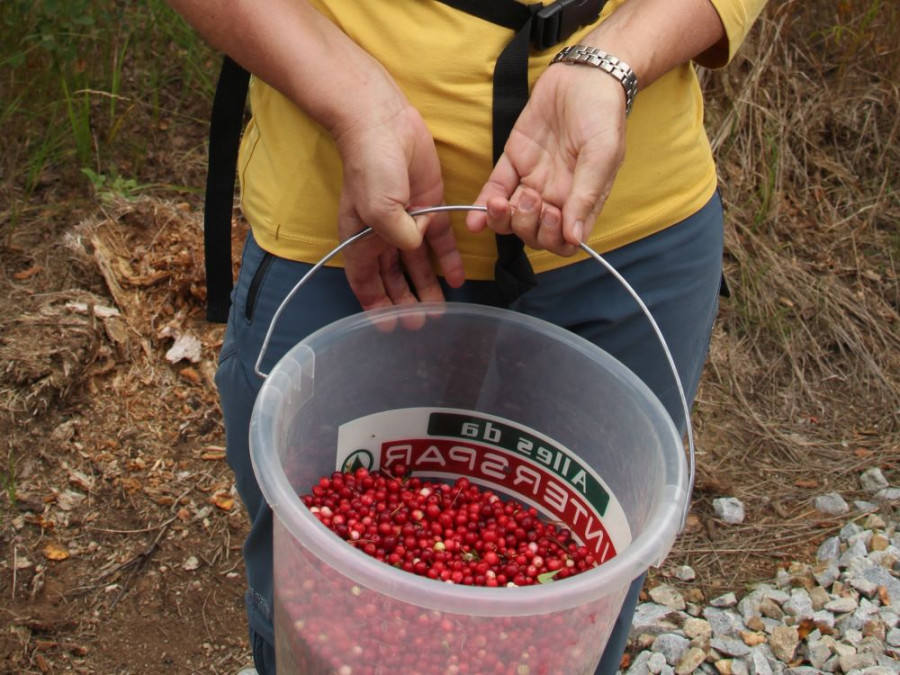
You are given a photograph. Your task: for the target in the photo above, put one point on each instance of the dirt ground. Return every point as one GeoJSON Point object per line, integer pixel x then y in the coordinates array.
{"type": "Point", "coordinates": [120, 531]}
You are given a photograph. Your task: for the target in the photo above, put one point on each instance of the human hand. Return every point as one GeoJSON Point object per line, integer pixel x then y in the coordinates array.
{"type": "Point", "coordinates": [559, 163]}
{"type": "Point", "coordinates": [390, 165]}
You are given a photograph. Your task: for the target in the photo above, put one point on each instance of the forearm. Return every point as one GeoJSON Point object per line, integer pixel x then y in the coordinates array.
{"type": "Point", "coordinates": [655, 36]}
{"type": "Point", "coordinates": [298, 51]}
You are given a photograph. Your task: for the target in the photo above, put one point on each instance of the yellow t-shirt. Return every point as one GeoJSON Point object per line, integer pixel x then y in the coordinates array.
{"type": "Point", "coordinates": [443, 59]}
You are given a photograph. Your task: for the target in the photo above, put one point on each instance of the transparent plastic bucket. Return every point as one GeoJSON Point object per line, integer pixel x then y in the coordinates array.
{"type": "Point", "coordinates": [533, 412]}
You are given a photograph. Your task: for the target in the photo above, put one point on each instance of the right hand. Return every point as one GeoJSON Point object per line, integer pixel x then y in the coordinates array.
{"type": "Point", "coordinates": [391, 166]}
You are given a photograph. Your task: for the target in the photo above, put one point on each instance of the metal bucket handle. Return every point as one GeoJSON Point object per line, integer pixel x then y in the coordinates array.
{"type": "Point", "coordinates": [584, 247]}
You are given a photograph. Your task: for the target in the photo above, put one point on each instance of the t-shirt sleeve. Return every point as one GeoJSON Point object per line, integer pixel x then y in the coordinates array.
{"type": "Point", "coordinates": [737, 16]}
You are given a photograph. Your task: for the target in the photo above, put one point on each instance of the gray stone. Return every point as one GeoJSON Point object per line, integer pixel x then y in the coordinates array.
{"type": "Point", "coordinates": [639, 665]}
{"type": "Point", "coordinates": [657, 663]}
{"type": "Point", "coordinates": [684, 573]}
{"type": "Point", "coordinates": [872, 480]}
{"type": "Point", "coordinates": [849, 530]}
{"type": "Point", "coordinates": [890, 494]}
{"type": "Point", "coordinates": [830, 549]}
{"type": "Point", "coordinates": [827, 576]}
{"type": "Point", "coordinates": [881, 577]}
{"type": "Point", "coordinates": [863, 586]}
{"type": "Point", "coordinates": [723, 621]}
{"type": "Point", "coordinates": [831, 504]}
{"type": "Point", "coordinates": [881, 670]}
{"type": "Point", "coordinates": [729, 646]}
{"type": "Point", "coordinates": [818, 653]}
{"type": "Point", "coordinates": [800, 604]}
{"type": "Point", "coordinates": [729, 509]}
{"type": "Point", "coordinates": [672, 647]}
{"type": "Point", "coordinates": [727, 600]}
{"type": "Point", "coordinates": [842, 605]}
{"type": "Point", "coordinates": [854, 552]}
{"type": "Point", "coordinates": [891, 663]}
{"type": "Point", "coordinates": [893, 637]}
{"type": "Point", "coordinates": [865, 537]}
{"type": "Point", "coordinates": [857, 661]}
{"type": "Point", "coordinates": [824, 618]}
{"type": "Point", "coordinates": [667, 596]}
{"type": "Point", "coordinates": [864, 506]}
{"type": "Point", "coordinates": [759, 664]}
{"type": "Point", "coordinates": [652, 619]}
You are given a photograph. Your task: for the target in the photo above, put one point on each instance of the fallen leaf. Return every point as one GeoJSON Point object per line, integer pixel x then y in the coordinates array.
{"type": "Point", "coordinates": [212, 453]}
{"type": "Point", "coordinates": [190, 374]}
{"type": "Point", "coordinates": [27, 274]}
{"type": "Point", "coordinates": [222, 501]}
{"type": "Point", "coordinates": [55, 552]}
{"type": "Point", "coordinates": [806, 627]}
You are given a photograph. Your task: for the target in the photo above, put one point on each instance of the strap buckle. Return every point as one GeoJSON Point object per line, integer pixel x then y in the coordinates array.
{"type": "Point", "coordinates": [554, 23]}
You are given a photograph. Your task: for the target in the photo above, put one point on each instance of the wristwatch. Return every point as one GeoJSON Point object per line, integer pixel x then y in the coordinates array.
{"type": "Point", "coordinates": [591, 56]}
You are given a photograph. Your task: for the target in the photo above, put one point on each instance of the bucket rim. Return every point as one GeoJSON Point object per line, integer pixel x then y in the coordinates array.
{"type": "Point", "coordinates": [647, 549]}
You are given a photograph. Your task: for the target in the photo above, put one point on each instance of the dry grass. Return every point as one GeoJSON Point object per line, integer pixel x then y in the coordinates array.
{"type": "Point", "coordinates": [802, 391]}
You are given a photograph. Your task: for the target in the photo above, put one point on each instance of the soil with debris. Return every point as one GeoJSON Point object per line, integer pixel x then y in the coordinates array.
{"type": "Point", "coordinates": [121, 531]}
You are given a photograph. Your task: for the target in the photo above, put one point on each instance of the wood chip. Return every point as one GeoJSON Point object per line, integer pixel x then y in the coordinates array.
{"type": "Point", "coordinates": [54, 551]}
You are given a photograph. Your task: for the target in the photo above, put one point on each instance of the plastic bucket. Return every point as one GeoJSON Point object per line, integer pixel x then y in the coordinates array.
{"type": "Point", "coordinates": [517, 404]}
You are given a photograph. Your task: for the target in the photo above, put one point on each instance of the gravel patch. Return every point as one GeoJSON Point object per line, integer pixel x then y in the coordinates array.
{"type": "Point", "coordinates": [839, 614]}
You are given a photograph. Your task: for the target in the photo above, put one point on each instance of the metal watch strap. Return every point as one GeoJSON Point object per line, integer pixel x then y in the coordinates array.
{"type": "Point", "coordinates": [598, 58]}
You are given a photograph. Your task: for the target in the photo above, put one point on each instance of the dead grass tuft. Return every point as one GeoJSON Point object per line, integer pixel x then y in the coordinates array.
{"type": "Point", "coordinates": [801, 391]}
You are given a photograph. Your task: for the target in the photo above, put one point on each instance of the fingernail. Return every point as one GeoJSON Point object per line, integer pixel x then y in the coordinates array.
{"type": "Point", "coordinates": [578, 230]}
{"type": "Point", "coordinates": [527, 202]}
{"type": "Point", "coordinates": [550, 219]}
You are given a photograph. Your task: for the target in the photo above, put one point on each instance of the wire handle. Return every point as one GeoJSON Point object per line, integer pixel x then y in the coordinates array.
{"type": "Point", "coordinates": [257, 368]}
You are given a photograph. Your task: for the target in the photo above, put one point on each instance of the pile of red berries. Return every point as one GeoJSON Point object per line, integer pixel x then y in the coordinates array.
{"type": "Point", "coordinates": [327, 623]}
{"type": "Point", "coordinates": [456, 533]}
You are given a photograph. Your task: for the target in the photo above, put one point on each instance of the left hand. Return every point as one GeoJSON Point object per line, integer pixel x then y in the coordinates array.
{"type": "Point", "coordinates": [559, 163]}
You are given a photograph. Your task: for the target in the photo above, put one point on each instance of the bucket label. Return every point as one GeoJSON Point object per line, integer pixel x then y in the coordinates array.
{"type": "Point", "coordinates": [496, 454]}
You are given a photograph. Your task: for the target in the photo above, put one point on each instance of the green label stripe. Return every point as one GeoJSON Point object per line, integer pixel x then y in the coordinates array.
{"type": "Point", "coordinates": [561, 463]}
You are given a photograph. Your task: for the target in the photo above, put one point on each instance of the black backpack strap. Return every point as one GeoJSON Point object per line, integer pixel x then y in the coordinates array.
{"type": "Point", "coordinates": [540, 26]}
{"type": "Point", "coordinates": [225, 127]}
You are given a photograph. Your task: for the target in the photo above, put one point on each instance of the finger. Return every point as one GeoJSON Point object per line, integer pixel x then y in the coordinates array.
{"type": "Point", "coordinates": [397, 286]}
{"type": "Point", "coordinates": [421, 274]}
{"type": "Point", "coordinates": [363, 275]}
{"type": "Point", "coordinates": [442, 242]}
{"type": "Point", "coordinates": [550, 232]}
{"type": "Point", "coordinates": [499, 215]}
{"type": "Point", "coordinates": [498, 189]}
{"type": "Point", "coordinates": [592, 181]}
{"type": "Point", "coordinates": [526, 214]}
{"type": "Point", "coordinates": [395, 226]}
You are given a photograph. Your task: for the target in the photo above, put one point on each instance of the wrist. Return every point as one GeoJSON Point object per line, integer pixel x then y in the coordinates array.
{"type": "Point", "coordinates": [609, 64]}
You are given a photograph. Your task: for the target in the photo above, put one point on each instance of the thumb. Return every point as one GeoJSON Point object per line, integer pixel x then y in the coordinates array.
{"type": "Point", "coordinates": [592, 182]}
{"type": "Point", "coordinates": [393, 224]}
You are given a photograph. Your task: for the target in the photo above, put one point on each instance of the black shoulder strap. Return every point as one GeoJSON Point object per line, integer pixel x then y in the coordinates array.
{"type": "Point", "coordinates": [542, 27]}
{"type": "Point", "coordinates": [225, 127]}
